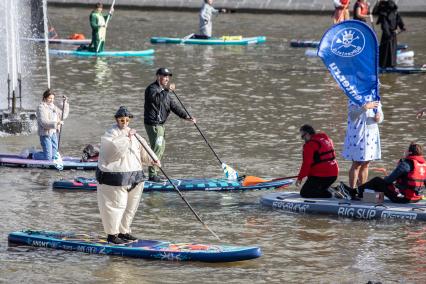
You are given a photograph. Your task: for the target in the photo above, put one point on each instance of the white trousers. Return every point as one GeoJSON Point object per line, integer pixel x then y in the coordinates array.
{"type": "Point", "coordinates": [118, 207]}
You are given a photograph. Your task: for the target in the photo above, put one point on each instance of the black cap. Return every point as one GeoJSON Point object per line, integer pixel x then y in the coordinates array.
{"type": "Point", "coordinates": [123, 112]}
{"type": "Point", "coordinates": [164, 72]}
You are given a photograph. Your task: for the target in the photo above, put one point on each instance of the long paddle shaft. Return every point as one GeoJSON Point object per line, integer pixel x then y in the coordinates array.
{"type": "Point", "coordinates": [62, 119]}
{"type": "Point", "coordinates": [106, 24]}
{"type": "Point", "coordinates": [180, 193]}
{"type": "Point", "coordinates": [199, 130]}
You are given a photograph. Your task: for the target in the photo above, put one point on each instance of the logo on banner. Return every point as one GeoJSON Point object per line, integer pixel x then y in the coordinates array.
{"type": "Point", "coordinates": [348, 42]}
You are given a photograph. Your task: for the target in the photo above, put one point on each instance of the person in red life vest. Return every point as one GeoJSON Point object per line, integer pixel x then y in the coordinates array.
{"type": "Point", "coordinates": [341, 10]}
{"type": "Point", "coordinates": [319, 164]}
{"type": "Point", "coordinates": [361, 10]}
{"type": "Point", "coordinates": [406, 182]}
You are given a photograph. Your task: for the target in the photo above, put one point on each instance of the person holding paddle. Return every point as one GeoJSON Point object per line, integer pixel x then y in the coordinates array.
{"type": "Point", "coordinates": [206, 25]}
{"type": "Point", "coordinates": [157, 106]}
{"type": "Point", "coordinates": [120, 176]}
{"type": "Point", "coordinates": [98, 23]}
{"type": "Point", "coordinates": [49, 119]}
{"type": "Point", "coordinates": [319, 164]}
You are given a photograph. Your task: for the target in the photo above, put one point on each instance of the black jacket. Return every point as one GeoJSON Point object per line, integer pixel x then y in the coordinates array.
{"type": "Point", "coordinates": [158, 104]}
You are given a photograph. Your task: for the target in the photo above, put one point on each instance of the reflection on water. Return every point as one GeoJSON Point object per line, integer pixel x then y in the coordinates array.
{"type": "Point", "coordinates": [249, 101]}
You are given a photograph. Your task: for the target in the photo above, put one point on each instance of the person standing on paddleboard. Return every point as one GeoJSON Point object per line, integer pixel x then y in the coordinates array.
{"type": "Point", "coordinates": [341, 10]}
{"type": "Point", "coordinates": [361, 11]}
{"type": "Point", "coordinates": [389, 20]}
{"type": "Point", "coordinates": [49, 123]}
{"type": "Point", "coordinates": [120, 176]}
{"type": "Point", "coordinates": [319, 164]}
{"type": "Point", "coordinates": [362, 141]}
{"type": "Point", "coordinates": [98, 25]}
{"type": "Point", "coordinates": [157, 106]}
{"type": "Point", "coordinates": [206, 24]}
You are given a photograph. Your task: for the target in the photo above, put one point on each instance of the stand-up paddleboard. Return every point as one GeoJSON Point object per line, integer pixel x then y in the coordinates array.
{"type": "Point", "coordinates": [149, 249]}
{"type": "Point", "coordinates": [68, 163]}
{"type": "Point", "coordinates": [315, 44]}
{"type": "Point", "coordinates": [194, 184]}
{"type": "Point", "coordinates": [293, 202]}
{"type": "Point", "coordinates": [401, 55]}
{"type": "Point", "coordinates": [61, 41]}
{"type": "Point", "coordinates": [212, 41]}
{"type": "Point", "coordinates": [404, 70]}
{"type": "Point", "coordinates": [137, 53]}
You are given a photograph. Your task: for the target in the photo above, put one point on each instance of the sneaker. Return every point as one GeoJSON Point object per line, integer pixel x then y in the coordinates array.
{"type": "Point", "coordinates": [127, 237]}
{"type": "Point", "coordinates": [335, 193]}
{"type": "Point", "coordinates": [344, 191]}
{"type": "Point", "coordinates": [115, 240]}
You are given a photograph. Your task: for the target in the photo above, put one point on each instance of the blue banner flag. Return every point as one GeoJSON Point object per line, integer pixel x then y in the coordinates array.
{"type": "Point", "coordinates": [351, 53]}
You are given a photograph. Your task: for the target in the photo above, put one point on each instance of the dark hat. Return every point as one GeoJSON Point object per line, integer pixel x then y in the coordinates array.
{"type": "Point", "coordinates": [123, 112]}
{"type": "Point", "coordinates": [164, 72]}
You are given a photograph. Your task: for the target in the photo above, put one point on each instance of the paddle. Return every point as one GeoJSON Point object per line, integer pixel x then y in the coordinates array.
{"type": "Point", "coordinates": [180, 193]}
{"type": "Point", "coordinates": [253, 180]}
{"type": "Point", "coordinates": [229, 172]}
{"type": "Point", "coordinates": [62, 119]}
{"type": "Point", "coordinates": [106, 24]}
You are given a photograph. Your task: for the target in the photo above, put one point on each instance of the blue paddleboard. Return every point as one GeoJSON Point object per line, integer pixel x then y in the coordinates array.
{"type": "Point", "coordinates": [149, 249]}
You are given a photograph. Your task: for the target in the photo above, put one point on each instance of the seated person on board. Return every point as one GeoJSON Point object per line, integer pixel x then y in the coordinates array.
{"type": "Point", "coordinates": [404, 184]}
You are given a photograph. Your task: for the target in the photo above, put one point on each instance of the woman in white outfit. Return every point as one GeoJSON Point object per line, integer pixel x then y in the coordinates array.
{"type": "Point", "coordinates": [120, 177]}
{"type": "Point", "coordinates": [362, 141]}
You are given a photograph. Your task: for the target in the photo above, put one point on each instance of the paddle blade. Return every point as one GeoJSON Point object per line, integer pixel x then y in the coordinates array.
{"type": "Point", "coordinates": [252, 180]}
{"type": "Point", "coordinates": [230, 173]}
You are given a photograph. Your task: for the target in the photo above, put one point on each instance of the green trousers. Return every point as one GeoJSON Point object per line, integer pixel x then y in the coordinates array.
{"type": "Point", "coordinates": [157, 141]}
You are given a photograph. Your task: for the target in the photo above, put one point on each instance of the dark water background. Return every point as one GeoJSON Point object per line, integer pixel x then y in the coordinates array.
{"type": "Point", "coordinates": [250, 101]}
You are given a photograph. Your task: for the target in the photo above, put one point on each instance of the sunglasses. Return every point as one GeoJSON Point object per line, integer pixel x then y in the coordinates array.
{"type": "Point", "coordinates": [123, 119]}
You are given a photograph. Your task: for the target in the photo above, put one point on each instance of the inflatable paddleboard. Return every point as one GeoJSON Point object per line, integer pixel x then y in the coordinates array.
{"type": "Point", "coordinates": [400, 56]}
{"type": "Point", "coordinates": [103, 53]}
{"type": "Point", "coordinates": [404, 70]}
{"type": "Point", "coordinates": [293, 202]}
{"type": "Point", "coordinates": [194, 184]}
{"type": "Point", "coordinates": [149, 249]}
{"type": "Point", "coordinates": [62, 41]}
{"type": "Point", "coordinates": [68, 163]}
{"type": "Point", "coordinates": [212, 41]}
{"type": "Point", "coordinates": [315, 44]}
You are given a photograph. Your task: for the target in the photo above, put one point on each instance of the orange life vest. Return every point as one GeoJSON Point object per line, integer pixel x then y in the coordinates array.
{"type": "Point", "coordinates": [364, 10]}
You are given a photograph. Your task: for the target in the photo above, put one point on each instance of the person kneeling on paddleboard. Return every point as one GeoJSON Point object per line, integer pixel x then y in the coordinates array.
{"type": "Point", "coordinates": [49, 120]}
{"type": "Point", "coordinates": [404, 185]}
{"type": "Point", "coordinates": [120, 177]}
{"type": "Point", "coordinates": [319, 164]}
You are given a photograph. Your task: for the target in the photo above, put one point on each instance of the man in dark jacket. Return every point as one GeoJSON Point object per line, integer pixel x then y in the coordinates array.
{"type": "Point", "coordinates": [158, 104]}
{"type": "Point", "coordinates": [390, 20]}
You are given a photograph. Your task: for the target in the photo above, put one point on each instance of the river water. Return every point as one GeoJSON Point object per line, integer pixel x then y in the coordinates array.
{"type": "Point", "coordinates": [250, 101]}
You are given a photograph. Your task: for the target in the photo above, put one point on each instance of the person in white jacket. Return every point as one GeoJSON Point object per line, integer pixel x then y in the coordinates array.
{"type": "Point", "coordinates": [120, 176]}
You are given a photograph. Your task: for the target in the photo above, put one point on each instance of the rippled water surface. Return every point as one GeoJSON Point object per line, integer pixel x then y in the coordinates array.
{"type": "Point", "coordinates": [250, 101]}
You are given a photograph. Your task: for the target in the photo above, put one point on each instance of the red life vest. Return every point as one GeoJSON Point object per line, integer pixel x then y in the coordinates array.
{"type": "Point", "coordinates": [415, 179]}
{"type": "Point", "coordinates": [364, 10]}
{"type": "Point", "coordinates": [344, 2]}
{"type": "Point", "coordinates": [325, 152]}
